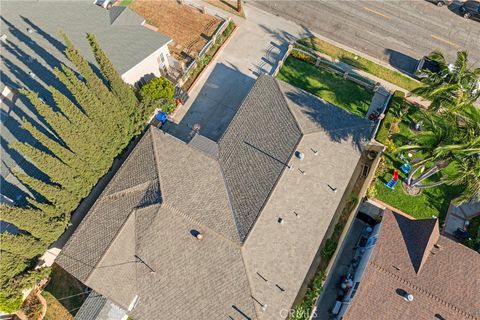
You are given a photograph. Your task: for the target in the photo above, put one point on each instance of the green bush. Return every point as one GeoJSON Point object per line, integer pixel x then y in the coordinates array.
{"type": "Point", "coordinates": [303, 56]}
{"type": "Point", "coordinates": [329, 249]}
{"type": "Point", "coordinates": [229, 29]}
{"type": "Point", "coordinates": [158, 88]}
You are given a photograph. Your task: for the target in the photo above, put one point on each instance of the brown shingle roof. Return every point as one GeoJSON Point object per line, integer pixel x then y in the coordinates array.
{"type": "Point", "coordinates": [445, 287]}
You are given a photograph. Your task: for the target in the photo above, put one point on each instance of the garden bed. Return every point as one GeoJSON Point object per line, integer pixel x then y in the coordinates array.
{"type": "Point", "coordinates": [361, 63]}
{"type": "Point", "coordinates": [203, 62]}
{"type": "Point", "coordinates": [327, 85]}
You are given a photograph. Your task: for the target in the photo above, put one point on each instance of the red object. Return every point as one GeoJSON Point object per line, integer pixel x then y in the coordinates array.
{"type": "Point", "coordinates": [395, 175]}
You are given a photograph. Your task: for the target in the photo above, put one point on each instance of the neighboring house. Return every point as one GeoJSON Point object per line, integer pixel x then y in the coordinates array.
{"type": "Point", "coordinates": [228, 229]}
{"type": "Point", "coordinates": [32, 47]}
{"type": "Point", "coordinates": [413, 272]}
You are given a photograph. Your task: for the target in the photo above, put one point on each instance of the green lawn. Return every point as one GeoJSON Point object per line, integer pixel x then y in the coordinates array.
{"type": "Point", "coordinates": [125, 3]}
{"type": "Point", "coordinates": [326, 85]}
{"type": "Point", "coordinates": [361, 63]}
{"type": "Point", "coordinates": [432, 201]}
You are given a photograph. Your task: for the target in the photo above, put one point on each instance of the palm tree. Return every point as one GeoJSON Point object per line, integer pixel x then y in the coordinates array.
{"type": "Point", "coordinates": [454, 86]}
{"type": "Point", "coordinates": [448, 139]}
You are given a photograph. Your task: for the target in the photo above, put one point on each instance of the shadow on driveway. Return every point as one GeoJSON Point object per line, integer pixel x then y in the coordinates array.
{"type": "Point", "coordinates": [215, 105]}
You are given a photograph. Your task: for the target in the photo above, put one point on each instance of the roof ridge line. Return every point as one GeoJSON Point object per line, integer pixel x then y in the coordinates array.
{"type": "Point", "coordinates": [188, 218]}
{"type": "Point", "coordinates": [110, 244]}
{"type": "Point", "coordinates": [124, 192]}
{"type": "Point", "coordinates": [421, 290]}
{"type": "Point", "coordinates": [284, 99]}
{"type": "Point", "coordinates": [154, 147]}
{"type": "Point", "coordinates": [229, 197]}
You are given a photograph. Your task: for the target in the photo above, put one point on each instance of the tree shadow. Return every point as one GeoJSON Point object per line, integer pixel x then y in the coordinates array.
{"type": "Point", "coordinates": [402, 62]}
{"type": "Point", "coordinates": [338, 124]}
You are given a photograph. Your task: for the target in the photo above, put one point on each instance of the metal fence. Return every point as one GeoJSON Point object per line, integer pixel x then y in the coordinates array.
{"type": "Point", "coordinates": [206, 47]}
{"type": "Point", "coordinates": [331, 65]}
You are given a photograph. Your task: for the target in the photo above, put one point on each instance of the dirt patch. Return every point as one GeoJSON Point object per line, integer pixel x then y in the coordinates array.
{"type": "Point", "coordinates": [189, 28]}
{"type": "Point", "coordinates": [55, 310]}
{"type": "Point", "coordinates": [64, 290]}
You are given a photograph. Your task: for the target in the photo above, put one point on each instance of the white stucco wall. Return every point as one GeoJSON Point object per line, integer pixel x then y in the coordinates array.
{"type": "Point", "coordinates": [148, 67]}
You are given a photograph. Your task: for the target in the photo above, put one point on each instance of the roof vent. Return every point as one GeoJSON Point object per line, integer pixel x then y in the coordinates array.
{"type": "Point", "coordinates": [408, 297]}
{"type": "Point", "coordinates": [299, 155]}
{"type": "Point", "coordinates": [280, 220]}
{"type": "Point", "coordinates": [315, 152]}
{"type": "Point", "coordinates": [196, 234]}
{"type": "Point", "coordinates": [29, 30]}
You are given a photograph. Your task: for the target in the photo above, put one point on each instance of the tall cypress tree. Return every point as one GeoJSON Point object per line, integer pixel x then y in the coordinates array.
{"type": "Point", "coordinates": [120, 88]}
{"type": "Point", "coordinates": [37, 223]}
{"type": "Point", "coordinates": [76, 163]}
{"type": "Point", "coordinates": [22, 246]}
{"type": "Point", "coordinates": [118, 114]}
{"type": "Point", "coordinates": [61, 199]}
{"type": "Point", "coordinates": [57, 171]}
{"type": "Point", "coordinates": [109, 136]}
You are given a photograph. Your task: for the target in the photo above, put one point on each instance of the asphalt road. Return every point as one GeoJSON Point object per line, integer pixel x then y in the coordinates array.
{"type": "Point", "coordinates": [397, 32]}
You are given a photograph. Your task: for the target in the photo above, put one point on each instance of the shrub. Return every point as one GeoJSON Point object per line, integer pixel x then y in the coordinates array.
{"type": "Point", "coordinates": [158, 88]}
{"type": "Point", "coordinates": [169, 107]}
{"type": "Point", "coordinates": [329, 249]}
{"type": "Point", "coordinates": [372, 191]}
{"type": "Point", "coordinates": [302, 56]}
{"type": "Point", "coordinates": [229, 29]}
{"type": "Point", "coordinates": [391, 148]}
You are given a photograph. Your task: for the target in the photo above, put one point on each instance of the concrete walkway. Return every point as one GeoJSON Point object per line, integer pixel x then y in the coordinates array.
{"type": "Point", "coordinates": [379, 102]}
{"type": "Point", "coordinates": [257, 45]}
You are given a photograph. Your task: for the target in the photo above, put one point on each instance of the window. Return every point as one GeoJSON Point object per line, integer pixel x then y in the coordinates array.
{"type": "Point", "coordinates": [162, 58]}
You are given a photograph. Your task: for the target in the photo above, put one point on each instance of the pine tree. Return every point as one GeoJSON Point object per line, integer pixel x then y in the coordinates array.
{"type": "Point", "coordinates": [122, 90]}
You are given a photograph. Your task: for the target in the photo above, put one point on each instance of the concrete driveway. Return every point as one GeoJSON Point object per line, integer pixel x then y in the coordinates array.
{"type": "Point", "coordinates": [256, 47]}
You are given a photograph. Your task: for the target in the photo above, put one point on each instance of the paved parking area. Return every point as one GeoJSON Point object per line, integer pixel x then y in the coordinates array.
{"type": "Point", "coordinates": [256, 47]}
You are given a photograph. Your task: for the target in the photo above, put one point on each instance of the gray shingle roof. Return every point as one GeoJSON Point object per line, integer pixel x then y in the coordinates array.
{"type": "Point", "coordinates": [255, 148]}
{"type": "Point", "coordinates": [91, 307]}
{"type": "Point", "coordinates": [99, 228]}
{"type": "Point", "coordinates": [167, 190]}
